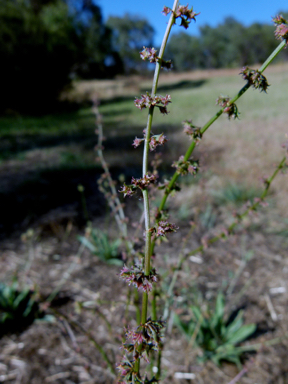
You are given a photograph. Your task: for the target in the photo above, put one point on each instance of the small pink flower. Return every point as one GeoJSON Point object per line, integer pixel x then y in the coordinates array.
{"type": "Point", "coordinates": [137, 142]}
{"type": "Point", "coordinates": [164, 227]}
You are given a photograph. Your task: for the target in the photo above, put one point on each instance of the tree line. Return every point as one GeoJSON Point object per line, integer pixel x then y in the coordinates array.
{"type": "Point", "coordinates": [230, 44]}
{"type": "Point", "coordinates": [45, 44]}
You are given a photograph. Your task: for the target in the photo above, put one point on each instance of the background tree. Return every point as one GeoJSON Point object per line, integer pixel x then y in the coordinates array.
{"type": "Point", "coordinates": [98, 58]}
{"type": "Point", "coordinates": [222, 46]}
{"type": "Point", "coordinates": [43, 44]}
{"type": "Point", "coordinates": [129, 35]}
{"type": "Point", "coordinates": [230, 44]}
{"type": "Point", "coordinates": [185, 51]}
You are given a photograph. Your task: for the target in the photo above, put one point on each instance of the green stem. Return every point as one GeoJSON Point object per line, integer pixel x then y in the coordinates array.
{"type": "Point", "coordinates": [145, 160]}
{"type": "Point", "coordinates": [159, 357]}
{"type": "Point", "coordinates": [154, 310]}
{"type": "Point", "coordinates": [209, 123]}
{"type": "Point", "coordinates": [147, 258]}
{"type": "Point", "coordinates": [272, 56]}
{"type": "Point", "coordinates": [251, 208]}
{"type": "Point", "coordinates": [221, 235]}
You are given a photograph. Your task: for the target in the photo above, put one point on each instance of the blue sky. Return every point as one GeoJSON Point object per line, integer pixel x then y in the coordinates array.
{"type": "Point", "coordinates": [212, 12]}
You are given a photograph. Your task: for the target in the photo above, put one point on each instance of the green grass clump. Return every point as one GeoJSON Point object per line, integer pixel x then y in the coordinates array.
{"type": "Point", "coordinates": [18, 308]}
{"type": "Point", "coordinates": [214, 334]}
{"type": "Point", "coordinates": [235, 194]}
{"type": "Point", "coordinates": [101, 246]}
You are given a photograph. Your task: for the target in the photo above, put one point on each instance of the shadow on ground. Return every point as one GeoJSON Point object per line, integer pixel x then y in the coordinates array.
{"type": "Point", "coordinates": [183, 84]}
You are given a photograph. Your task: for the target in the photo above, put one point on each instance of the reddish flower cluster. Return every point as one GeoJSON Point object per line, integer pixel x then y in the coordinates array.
{"type": "Point", "coordinates": [127, 190]}
{"type": "Point", "coordinates": [137, 142]}
{"type": "Point", "coordinates": [157, 140]}
{"type": "Point", "coordinates": [148, 101]}
{"type": "Point", "coordinates": [192, 130]}
{"type": "Point", "coordinates": [140, 342]}
{"type": "Point", "coordinates": [281, 31]}
{"type": "Point", "coordinates": [150, 54]}
{"type": "Point", "coordinates": [183, 12]}
{"type": "Point", "coordinates": [164, 227]}
{"type": "Point", "coordinates": [255, 78]}
{"type": "Point", "coordinates": [153, 142]}
{"type": "Point", "coordinates": [230, 109]}
{"type": "Point", "coordinates": [127, 370]}
{"type": "Point", "coordinates": [184, 167]}
{"type": "Point", "coordinates": [136, 276]}
{"type": "Point", "coordinates": [142, 183]}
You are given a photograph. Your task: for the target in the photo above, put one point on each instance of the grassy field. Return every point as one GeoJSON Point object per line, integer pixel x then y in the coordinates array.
{"type": "Point", "coordinates": [245, 149]}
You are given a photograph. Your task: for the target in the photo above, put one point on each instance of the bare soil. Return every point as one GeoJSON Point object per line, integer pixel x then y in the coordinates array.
{"type": "Point", "coordinates": [91, 295]}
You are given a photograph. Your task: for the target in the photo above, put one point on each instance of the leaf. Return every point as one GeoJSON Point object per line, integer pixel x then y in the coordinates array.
{"type": "Point", "coordinates": [115, 262]}
{"type": "Point", "coordinates": [46, 319]}
{"type": "Point", "coordinates": [20, 297]}
{"type": "Point", "coordinates": [234, 325]}
{"type": "Point", "coordinates": [29, 307]}
{"type": "Point", "coordinates": [197, 313]}
{"type": "Point", "coordinates": [242, 334]}
{"type": "Point", "coordinates": [218, 316]}
{"type": "Point", "coordinates": [87, 243]}
{"type": "Point", "coordinates": [186, 329]}
{"type": "Point", "coordinates": [229, 354]}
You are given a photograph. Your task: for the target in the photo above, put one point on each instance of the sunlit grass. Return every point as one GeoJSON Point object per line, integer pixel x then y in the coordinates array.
{"type": "Point", "coordinates": [235, 151]}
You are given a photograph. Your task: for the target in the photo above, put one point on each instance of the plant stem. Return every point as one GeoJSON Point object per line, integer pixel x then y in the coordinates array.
{"type": "Point", "coordinates": [145, 160]}
{"type": "Point", "coordinates": [210, 122]}
{"type": "Point", "coordinates": [222, 234]}
{"type": "Point", "coordinates": [147, 258]}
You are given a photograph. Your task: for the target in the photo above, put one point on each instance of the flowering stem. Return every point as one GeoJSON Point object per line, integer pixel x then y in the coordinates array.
{"type": "Point", "coordinates": [145, 168]}
{"type": "Point", "coordinates": [210, 122]}
{"type": "Point", "coordinates": [221, 235]}
{"type": "Point", "coordinates": [272, 56]}
{"type": "Point", "coordinates": [145, 160]}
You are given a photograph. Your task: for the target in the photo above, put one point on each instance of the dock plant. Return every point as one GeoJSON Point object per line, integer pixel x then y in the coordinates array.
{"type": "Point", "coordinates": [145, 341]}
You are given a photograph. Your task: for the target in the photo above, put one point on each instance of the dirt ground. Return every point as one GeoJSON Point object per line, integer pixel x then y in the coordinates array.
{"type": "Point", "coordinates": [90, 295]}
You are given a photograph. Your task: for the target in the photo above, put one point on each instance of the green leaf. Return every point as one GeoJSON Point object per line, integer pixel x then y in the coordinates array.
{"type": "Point", "coordinates": [115, 262]}
{"type": "Point", "coordinates": [197, 313]}
{"type": "Point", "coordinates": [234, 325]}
{"type": "Point", "coordinates": [87, 244]}
{"type": "Point", "coordinates": [242, 334]}
{"type": "Point", "coordinates": [186, 329]}
{"type": "Point", "coordinates": [20, 297]}
{"type": "Point", "coordinates": [29, 307]}
{"type": "Point", "coordinates": [218, 316]}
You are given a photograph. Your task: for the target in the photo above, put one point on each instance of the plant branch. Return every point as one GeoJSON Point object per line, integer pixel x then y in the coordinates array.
{"type": "Point", "coordinates": [210, 122]}
{"type": "Point", "coordinates": [147, 258]}
{"type": "Point", "coordinates": [145, 160]}
{"type": "Point", "coordinates": [221, 235]}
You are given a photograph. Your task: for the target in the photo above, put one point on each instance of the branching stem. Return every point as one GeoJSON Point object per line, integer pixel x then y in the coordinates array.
{"type": "Point", "coordinates": [210, 122]}
{"type": "Point", "coordinates": [145, 167]}
{"type": "Point", "coordinates": [218, 237]}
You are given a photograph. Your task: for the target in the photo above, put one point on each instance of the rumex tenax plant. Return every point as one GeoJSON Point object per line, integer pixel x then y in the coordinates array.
{"type": "Point", "coordinates": [142, 341]}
